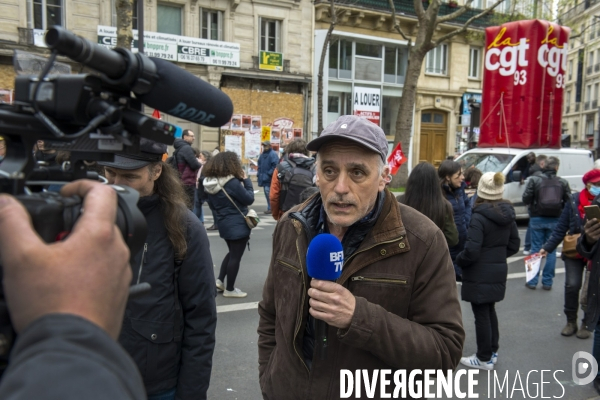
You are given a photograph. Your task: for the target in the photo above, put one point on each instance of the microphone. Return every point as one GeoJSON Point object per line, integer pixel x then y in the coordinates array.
{"type": "Point", "coordinates": [324, 261]}
{"type": "Point", "coordinates": [157, 83]}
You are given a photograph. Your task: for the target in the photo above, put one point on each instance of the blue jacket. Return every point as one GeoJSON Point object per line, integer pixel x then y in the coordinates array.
{"type": "Point", "coordinates": [461, 205]}
{"type": "Point", "coordinates": [232, 225]}
{"type": "Point", "coordinates": [569, 221]}
{"type": "Point", "coordinates": [267, 162]}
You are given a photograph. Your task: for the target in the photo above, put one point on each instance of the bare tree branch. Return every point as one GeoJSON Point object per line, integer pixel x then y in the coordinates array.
{"type": "Point", "coordinates": [455, 14]}
{"type": "Point", "coordinates": [395, 22]}
{"type": "Point", "coordinates": [419, 10]}
{"type": "Point", "coordinates": [466, 24]}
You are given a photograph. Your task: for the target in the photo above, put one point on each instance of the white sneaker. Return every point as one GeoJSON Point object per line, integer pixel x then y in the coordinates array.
{"type": "Point", "coordinates": [220, 286]}
{"type": "Point", "coordinates": [526, 252]}
{"type": "Point", "coordinates": [234, 293]}
{"type": "Point", "coordinates": [494, 358]}
{"type": "Point", "coordinates": [475, 362]}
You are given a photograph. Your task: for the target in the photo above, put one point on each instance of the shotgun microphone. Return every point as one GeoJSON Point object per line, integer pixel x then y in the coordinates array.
{"type": "Point", "coordinates": [324, 261]}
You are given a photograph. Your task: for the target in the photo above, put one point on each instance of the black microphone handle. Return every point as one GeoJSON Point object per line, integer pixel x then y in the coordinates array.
{"type": "Point", "coordinates": [321, 329]}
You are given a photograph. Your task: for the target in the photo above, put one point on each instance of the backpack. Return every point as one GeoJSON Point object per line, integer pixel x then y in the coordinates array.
{"type": "Point", "coordinates": [293, 181]}
{"type": "Point", "coordinates": [172, 161]}
{"type": "Point", "coordinates": [550, 197]}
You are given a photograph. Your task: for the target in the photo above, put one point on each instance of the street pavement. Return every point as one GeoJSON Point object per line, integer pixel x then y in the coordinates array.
{"type": "Point", "coordinates": [530, 324]}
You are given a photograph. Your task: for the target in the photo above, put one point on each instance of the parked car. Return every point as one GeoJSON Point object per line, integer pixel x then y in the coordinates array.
{"type": "Point", "coordinates": [574, 163]}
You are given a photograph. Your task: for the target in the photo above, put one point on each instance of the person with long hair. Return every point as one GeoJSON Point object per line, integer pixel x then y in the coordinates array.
{"type": "Point", "coordinates": [453, 186]}
{"type": "Point", "coordinates": [170, 331]}
{"type": "Point", "coordinates": [492, 238]}
{"type": "Point", "coordinates": [230, 192]}
{"type": "Point", "coordinates": [424, 194]}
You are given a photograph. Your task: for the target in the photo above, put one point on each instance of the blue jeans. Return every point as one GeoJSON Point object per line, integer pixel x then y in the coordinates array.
{"type": "Point", "coordinates": [166, 395]}
{"type": "Point", "coordinates": [527, 245]}
{"type": "Point", "coordinates": [198, 207]}
{"type": "Point", "coordinates": [267, 194]}
{"type": "Point", "coordinates": [541, 230]}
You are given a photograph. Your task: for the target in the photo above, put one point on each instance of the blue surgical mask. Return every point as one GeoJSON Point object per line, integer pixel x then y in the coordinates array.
{"type": "Point", "coordinates": [594, 190]}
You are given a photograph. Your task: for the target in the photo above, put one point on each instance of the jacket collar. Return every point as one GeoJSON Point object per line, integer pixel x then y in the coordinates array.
{"type": "Point", "coordinates": [148, 203]}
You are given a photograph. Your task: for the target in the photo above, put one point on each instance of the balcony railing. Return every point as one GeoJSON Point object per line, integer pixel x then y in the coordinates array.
{"type": "Point", "coordinates": [586, 105]}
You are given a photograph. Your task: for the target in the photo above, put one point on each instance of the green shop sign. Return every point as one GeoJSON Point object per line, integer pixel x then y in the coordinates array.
{"type": "Point", "coordinates": [271, 61]}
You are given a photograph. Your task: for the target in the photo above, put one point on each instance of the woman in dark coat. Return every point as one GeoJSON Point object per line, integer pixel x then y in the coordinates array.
{"type": "Point", "coordinates": [492, 238]}
{"type": "Point", "coordinates": [230, 193]}
{"type": "Point", "coordinates": [572, 220]}
{"type": "Point", "coordinates": [453, 185]}
{"type": "Point", "coordinates": [425, 195]}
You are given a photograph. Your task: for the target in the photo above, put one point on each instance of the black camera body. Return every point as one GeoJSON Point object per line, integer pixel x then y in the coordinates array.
{"type": "Point", "coordinates": [93, 117]}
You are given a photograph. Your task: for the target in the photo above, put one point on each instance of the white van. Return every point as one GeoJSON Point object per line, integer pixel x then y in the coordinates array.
{"type": "Point", "coordinates": [574, 163]}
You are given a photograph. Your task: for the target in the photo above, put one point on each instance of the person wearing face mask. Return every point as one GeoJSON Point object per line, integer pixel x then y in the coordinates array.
{"type": "Point", "coordinates": [453, 185]}
{"type": "Point", "coordinates": [571, 221]}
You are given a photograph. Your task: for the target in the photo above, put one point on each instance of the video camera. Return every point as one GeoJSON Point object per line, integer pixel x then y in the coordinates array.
{"type": "Point", "coordinates": [93, 116]}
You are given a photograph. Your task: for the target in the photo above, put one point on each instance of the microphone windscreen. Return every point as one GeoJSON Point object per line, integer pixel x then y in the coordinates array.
{"type": "Point", "coordinates": [325, 257]}
{"type": "Point", "coordinates": [183, 95]}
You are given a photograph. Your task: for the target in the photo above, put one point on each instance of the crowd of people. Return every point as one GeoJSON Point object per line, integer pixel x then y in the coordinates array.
{"type": "Point", "coordinates": [395, 279]}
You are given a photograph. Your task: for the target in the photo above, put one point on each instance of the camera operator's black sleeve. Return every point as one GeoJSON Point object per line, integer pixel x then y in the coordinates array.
{"type": "Point", "coordinates": [63, 357]}
{"type": "Point", "coordinates": [197, 292]}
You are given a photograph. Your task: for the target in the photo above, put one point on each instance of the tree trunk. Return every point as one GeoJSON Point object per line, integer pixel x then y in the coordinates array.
{"type": "Point", "coordinates": [124, 21]}
{"type": "Point", "coordinates": [321, 66]}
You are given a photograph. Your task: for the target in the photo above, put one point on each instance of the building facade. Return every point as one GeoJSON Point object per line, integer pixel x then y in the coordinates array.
{"type": "Point", "coordinates": [582, 87]}
{"type": "Point", "coordinates": [367, 56]}
{"type": "Point", "coordinates": [276, 86]}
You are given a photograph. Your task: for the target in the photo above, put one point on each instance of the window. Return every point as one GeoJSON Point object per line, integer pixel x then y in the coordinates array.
{"type": "Point", "coordinates": [394, 65]}
{"type": "Point", "coordinates": [211, 24]}
{"type": "Point", "coordinates": [437, 60]}
{"type": "Point", "coordinates": [368, 50]}
{"type": "Point", "coordinates": [47, 13]}
{"type": "Point", "coordinates": [590, 59]}
{"type": "Point", "coordinates": [169, 19]}
{"type": "Point", "coordinates": [477, 4]}
{"type": "Point", "coordinates": [589, 127]}
{"type": "Point", "coordinates": [596, 87]}
{"type": "Point", "coordinates": [134, 20]}
{"type": "Point", "coordinates": [270, 35]}
{"type": "Point", "coordinates": [570, 69]}
{"type": "Point", "coordinates": [474, 62]}
{"type": "Point", "coordinates": [568, 101]}
{"type": "Point", "coordinates": [597, 56]}
{"type": "Point", "coordinates": [340, 59]}
{"type": "Point", "coordinates": [575, 129]}
{"type": "Point", "coordinates": [333, 104]}
{"type": "Point", "coordinates": [588, 93]}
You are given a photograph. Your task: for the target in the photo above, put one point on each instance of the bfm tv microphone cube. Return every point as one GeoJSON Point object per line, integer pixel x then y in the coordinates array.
{"type": "Point", "coordinates": [325, 257]}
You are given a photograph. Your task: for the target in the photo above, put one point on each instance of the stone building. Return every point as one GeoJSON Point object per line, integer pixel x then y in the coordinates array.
{"type": "Point", "coordinates": [276, 88]}
{"type": "Point", "coordinates": [368, 56]}
{"type": "Point", "coordinates": [582, 80]}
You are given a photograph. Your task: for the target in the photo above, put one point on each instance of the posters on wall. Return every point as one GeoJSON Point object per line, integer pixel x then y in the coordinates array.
{"type": "Point", "coordinates": [367, 103]}
{"type": "Point", "coordinates": [252, 148]}
{"type": "Point", "coordinates": [234, 143]}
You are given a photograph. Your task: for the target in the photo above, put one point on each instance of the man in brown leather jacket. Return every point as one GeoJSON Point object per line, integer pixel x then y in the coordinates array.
{"type": "Point", "coordinates": [395, 306]}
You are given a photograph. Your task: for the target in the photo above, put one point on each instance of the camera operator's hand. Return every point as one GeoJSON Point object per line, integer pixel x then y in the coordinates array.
{"type": "Point", "coordinates": [87, 274]}
{"type": "Point", "coordinates": [592, 231]}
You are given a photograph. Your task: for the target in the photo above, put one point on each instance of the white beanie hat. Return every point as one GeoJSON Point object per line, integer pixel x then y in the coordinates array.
{"type": "Point", "coordinates": [491, 186]}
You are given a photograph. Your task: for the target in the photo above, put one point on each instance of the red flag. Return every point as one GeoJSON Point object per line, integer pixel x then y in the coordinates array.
{"type": "Point", "coordinates": [156, 114]}
{"type": "Point", "coordinates": [396, 159]}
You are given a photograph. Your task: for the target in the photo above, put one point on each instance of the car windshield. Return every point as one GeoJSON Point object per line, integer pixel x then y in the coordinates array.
{"type": "Point", "coordinates": [485, 162]}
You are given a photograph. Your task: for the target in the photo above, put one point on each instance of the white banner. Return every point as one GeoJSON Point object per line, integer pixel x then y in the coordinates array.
{"type": "Point", "coordinates": [178, 48]}
{"type": "Point", "coordinates": [367, 103]}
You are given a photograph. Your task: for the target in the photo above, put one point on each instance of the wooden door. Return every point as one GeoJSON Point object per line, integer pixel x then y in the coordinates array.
{"type": "Point", "coordinates": [434, 128]}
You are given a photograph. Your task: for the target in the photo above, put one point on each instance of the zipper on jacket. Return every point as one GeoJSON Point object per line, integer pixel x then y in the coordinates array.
{"type": "Point", "coordinates": [142, 262]}
{"type": "Point", "coordinates": [369, 248]}
{"type": "Point", "coordinates": [379, 280]}
{"type": "Point", "coordinates": [300, 313]}
{"type": "Point", "coordinates": [290, 267]}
